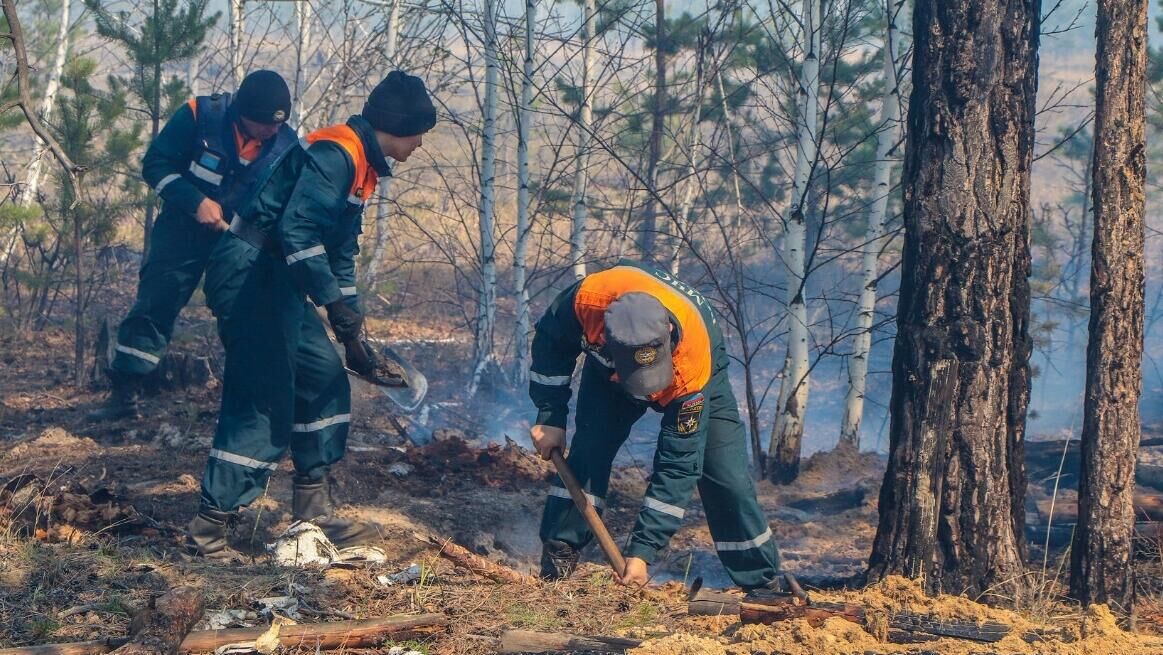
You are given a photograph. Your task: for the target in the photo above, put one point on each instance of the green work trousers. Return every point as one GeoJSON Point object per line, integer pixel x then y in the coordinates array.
{"type": "Point", "coordinates": [605, 414]}
{"type": "Point", "coordinates": [284, 386]}
{"type": "Point", "coordinates": [178, 250]}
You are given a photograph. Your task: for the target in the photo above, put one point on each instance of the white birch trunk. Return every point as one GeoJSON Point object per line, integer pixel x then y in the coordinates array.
{"type": "Point", "coordinates": [486, 312]}
{"type": "Point", "coordinates": [193, 72]}
{"type": "Point", "coordinates": [371, 272]}
{"type": "Point", "coordinates": [886, 140]}
{"type": "Point", "coordinates": [236, 27]}
{"type": "Point", "coordinates": [577, 236]}
{"type": "Point", "coordinates": [303, 15]}
{"type": "Point", "coordinates": [524, 115]}
{"type": "Point", "coordinates": [32, 182]}
{"type": "Point", "coordinates": [788, 431]}
{"type": "Point", "coordinates": [730, 148]}
{"type": "Point", "coordinates": [689, 194]}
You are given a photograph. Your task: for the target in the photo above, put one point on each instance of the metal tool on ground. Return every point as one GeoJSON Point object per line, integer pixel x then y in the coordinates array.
{"type": "Point", "coordinates": [394, 376]}
{"type": "Point", "coordinates": [588, 512]}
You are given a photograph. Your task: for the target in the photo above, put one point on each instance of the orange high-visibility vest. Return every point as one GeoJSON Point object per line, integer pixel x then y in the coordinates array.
{"type": "Point", "coordinates": [366, 178]}
{"type": "Point", "coordinates": [692, 354]}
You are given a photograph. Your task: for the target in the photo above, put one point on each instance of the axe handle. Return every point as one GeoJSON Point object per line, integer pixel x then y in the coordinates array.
{"type": "Point", "coordinates": [613, 553]}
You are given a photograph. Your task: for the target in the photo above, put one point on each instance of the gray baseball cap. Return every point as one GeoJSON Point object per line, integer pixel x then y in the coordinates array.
{"type": "Point", "coordinates": [638, 342]}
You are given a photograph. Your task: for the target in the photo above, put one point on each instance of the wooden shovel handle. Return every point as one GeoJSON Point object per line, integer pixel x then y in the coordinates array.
{"type": "Point", "coordinates": [588, 512]}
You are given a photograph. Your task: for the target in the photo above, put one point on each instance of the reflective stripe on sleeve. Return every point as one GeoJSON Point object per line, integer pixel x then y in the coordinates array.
{"type": "Point", "coordinates": [347, 291]}
{"type": "Point", "coordinates": [550, 380]}
{"type": "Point", "coordinates": [242, 460]}
{"type": "Point", "coordinates": [166, 181]}
{"type": "Point", "coordinates": [140, 354]}
{"type": "Point", "coordinates": [313, 251]}
{"type": "Point", "coordinates": [321, 423]}
{"type": "Point", "coordinates": [666, 508]}
{"type": "Point", "coordinates": [724, 546]}
{"type": "Point", "coordinates": [561, 492]}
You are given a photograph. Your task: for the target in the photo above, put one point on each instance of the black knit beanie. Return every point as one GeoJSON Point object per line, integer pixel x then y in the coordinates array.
{"type": "Point", "coordinates": [264, 97]}
{"type": "Point", "coordinates": [400, 106]}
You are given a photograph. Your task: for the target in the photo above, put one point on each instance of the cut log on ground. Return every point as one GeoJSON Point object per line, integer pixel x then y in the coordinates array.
{"type": "Point", "coordinates": [160, 628]}
{"type": "Point", "coordinates": [772, 608]}
{"type": "Point", "coordinates": [363, 633]}
{"type": "Point", "coordinates": [467, 559]}
{"type": "Point", "coordinates": [526, 641]}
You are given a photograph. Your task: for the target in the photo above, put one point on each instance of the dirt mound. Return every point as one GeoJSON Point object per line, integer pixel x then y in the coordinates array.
{"type": "Point", "coordinates": [54, 442]}
{"type": "Point", "coordinates": [840, 468]}
{"type": "Point", "coordinates": [1098, 631]}
{"type": "Point", "coordinates": [450, 463]}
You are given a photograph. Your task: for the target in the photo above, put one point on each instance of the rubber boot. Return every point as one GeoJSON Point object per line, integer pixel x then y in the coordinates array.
{"type": "Point", "coordinates": [311, 501]}
{"type": "Point", "coordinates": [558, 560]}
{"type": "Point", "coordinates": [206, 536]}
{"type": "Point", "coordinates": [122, 402]}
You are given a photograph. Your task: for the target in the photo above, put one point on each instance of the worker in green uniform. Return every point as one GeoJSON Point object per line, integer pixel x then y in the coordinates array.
{"type": "Point", "coordinates": [650, 341]}
{"type": "Point", "coordinates": [204, 163]}
{"type": "Point", "coordinates": [290, 249]}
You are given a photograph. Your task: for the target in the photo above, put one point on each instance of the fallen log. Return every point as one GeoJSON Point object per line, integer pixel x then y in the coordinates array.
{"type": "Point", "coordinates": [467, 559]}
{"type": "Point", "coordinates": [160, 628]}
{"type": "Point", "coordinates": [363, 633]}
{"type": "Point", "coordinates": [773, 608]}
{"type": "Point", "coordinates": [527, 641]}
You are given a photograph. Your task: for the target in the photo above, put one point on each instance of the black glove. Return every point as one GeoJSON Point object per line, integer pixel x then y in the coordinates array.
{"type": "Point", "coordinates": [359, 357]}
{"type": "Point", "coordinates": [346, 323]}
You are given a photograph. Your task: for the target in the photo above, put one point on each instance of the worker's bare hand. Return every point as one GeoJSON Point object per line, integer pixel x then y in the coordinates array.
{"type": "Point", "coordinates": [636, 574]}
{"type": "Point", "coordinates": [546, 438]}
{"type": "Point", "coordinates": [210, 214]}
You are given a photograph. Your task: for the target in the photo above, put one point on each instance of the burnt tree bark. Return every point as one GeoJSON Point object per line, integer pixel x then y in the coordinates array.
{"type": "Point", "coordinates": [1100, 559]}
{"type": "Point", "coordinates": [951, 509]}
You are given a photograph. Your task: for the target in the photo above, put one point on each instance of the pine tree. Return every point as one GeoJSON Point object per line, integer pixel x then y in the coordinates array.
{"type": "Point", "coordinates": [170, 31]}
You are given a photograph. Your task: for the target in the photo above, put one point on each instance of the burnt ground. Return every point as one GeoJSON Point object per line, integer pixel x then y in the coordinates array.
{"type": "Point", "coordinates": [91, 517]}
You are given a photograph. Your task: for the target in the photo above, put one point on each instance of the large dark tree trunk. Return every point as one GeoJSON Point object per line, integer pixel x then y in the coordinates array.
{"type": "Point", "coordinates": [1100, 559]}
{"type": "Point", "coordinates": [951, 508]}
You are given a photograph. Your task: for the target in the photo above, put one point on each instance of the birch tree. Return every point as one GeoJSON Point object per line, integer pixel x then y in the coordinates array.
{"type": "Point", "coordinates": [32, 183]}
{"type": "Point", "coordinates": [648, 235]}
{"type": "Point", "coordinates": [788, 431]}
{"type": "Point", "coordinates": [303, 15]}
{"type": "Point", "coordinates": [487, 308]}
{"type": "Point", "coordinates": [520, 248]}
{"type": "Point", "coordinates": [371, 272]}
{"type": "Point", "coordinates": [585, 119]}
{"type": "Point", "coordinates": [886, 143]}
{"type": "Point", "coordinates": [237, 24]}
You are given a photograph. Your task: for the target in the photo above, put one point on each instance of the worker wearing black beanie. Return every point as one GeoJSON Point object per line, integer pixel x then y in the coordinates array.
{"type": "Point", "coordinates": [400, 106]}
{"type": "Point", "coordinates": [296, 241]}
{"type": "Point", "coordinates": [263, 97]}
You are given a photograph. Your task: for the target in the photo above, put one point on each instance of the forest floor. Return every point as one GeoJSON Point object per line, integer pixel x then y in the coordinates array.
{"type": "Point", "coordinates": [91, 521]}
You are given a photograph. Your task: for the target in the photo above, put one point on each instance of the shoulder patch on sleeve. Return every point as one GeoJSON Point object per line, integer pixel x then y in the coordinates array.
{"type": "Point", "coordinates": [689, 413]}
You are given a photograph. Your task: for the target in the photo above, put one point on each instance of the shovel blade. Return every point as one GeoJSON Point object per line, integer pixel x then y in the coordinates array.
{"type": "Point", "coordinates": [408, 398]}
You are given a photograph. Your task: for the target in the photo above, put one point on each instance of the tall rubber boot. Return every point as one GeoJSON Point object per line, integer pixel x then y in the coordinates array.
{"type": "Point", "coordinates": [558, 560]}
{"type": "Point", "coordinates": [122, 402]}
{"type": "Point", "coordinates": [311, 501]}
{"type": "Point", "coordinates": [206, 536]}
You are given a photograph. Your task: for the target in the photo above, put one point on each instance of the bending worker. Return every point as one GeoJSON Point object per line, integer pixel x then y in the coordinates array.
{"type": "Point", "coordinates": [204, 163]}
{"type": "Point", "coordinates": [293, 248]}
{"type": "Point", "coordinates": [650, 342]}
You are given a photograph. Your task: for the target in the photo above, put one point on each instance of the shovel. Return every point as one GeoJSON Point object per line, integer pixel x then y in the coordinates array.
{"type": "Point", "coordinates": [396, 379]}
{"type": "Point", "coordinates": [586, 508]}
